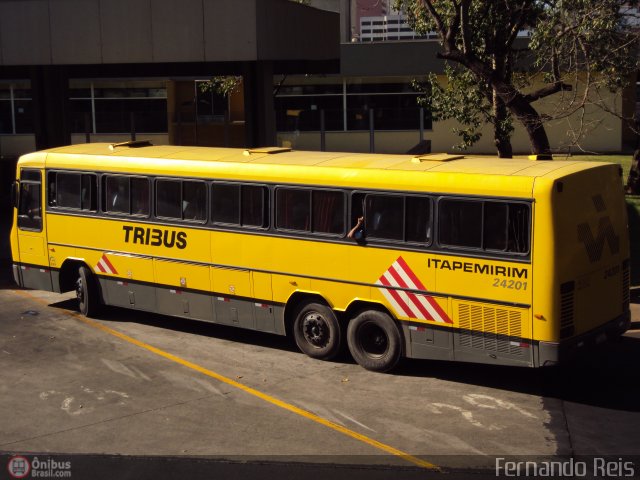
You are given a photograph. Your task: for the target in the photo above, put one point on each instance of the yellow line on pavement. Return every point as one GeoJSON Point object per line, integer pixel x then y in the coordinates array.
{"type": "Point", "coordinates": [251, 391]}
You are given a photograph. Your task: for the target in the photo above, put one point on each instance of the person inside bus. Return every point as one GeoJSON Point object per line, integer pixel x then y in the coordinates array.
{"type": "Point", "coordinates": [357, 232]}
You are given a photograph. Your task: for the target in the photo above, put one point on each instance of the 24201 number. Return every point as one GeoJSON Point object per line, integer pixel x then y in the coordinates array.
{"type": "Point", "coordinates": [510, 284]}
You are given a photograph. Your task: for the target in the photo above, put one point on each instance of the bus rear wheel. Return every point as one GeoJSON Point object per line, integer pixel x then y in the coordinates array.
{"type": "Point", "coordinates": [317, 331]}
{"type": "Point", "coordinates": [87, 293]}
{"type": "Point", "coordinates": [374, 341]}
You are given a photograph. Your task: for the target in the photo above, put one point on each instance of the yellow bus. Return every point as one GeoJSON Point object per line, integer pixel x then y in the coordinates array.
{"type": "Point", "coordinates": [511, 262]}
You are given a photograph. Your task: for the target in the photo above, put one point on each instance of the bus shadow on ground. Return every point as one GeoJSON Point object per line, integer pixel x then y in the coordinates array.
{"type": "Point", "coordinates": [605, 377]}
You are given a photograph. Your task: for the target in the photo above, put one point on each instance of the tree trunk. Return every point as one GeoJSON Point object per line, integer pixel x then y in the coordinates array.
{"type": "Point", "coordinates": [501, 133]}
{"type": "Point", "coordinates": [515, 101]}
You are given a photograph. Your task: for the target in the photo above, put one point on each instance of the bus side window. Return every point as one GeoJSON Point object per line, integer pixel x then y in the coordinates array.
{"type": "Point", "coordinates": [194, 200]}
{"type": "Point", "coordinates": [169, 198]}
{"type": "Point", "coordinates": [460, 223]}
{"type": "Point", "coordinates": [139, 196]}
{"type": "Point", "coordinates": [385, 216]}
{"type": "Point", "coordinates": [68, 190]}
{"type": "Point", "coordinates": [89, 193]}
{"type": "Point", "coordinates": [225, 204]}
{"type": "Point", "coordinates": [418, 220]}
{"type": "Point", "coordinates": [254, 206]}
{"type": "Point", "coordinates": [518, 228]}
{"type": "Point", "coordinates": [117, 194]}
{"type": "Point", "coordinates": [328, 211]}
{"type": "Point", "coordinates": [293, 209]}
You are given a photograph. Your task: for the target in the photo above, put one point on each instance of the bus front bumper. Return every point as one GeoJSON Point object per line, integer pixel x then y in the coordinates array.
{"type": "Point", "coordinates": [553, 353]}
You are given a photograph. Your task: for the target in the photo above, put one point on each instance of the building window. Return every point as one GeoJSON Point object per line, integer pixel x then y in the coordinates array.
{"type": "Point", "coordinates": [118, 107]}
{"type": "Point", "coordinates": [394, 105]}
{"type": "Point", "coordinates": [16, 109]}
{"type": "Point", "coordinates": [211, 106]}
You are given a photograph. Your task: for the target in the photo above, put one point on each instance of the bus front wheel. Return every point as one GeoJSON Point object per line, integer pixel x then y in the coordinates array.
{"type": "Point", "coordinates": [374, 341]}
{"type": "Point", "coordinates": [317, 331]}
{"type": "Point", "coordinates": [87, 292]}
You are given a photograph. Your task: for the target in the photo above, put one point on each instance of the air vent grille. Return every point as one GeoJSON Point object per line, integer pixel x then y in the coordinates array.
{"type": "Point", "coordinates": [626, 285]}
{"type": "Point", "coordinates": [490, 328]}
{"type": "Point", "coordinates": [567, 328]}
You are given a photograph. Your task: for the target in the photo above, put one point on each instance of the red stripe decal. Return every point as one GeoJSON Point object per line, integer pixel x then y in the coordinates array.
{"type": "Point", "coordinates": [397, 298]}
{"type": "Point", "coordinates": [410, 273]}
{"type": "Point", "coordinates": [109, 265]}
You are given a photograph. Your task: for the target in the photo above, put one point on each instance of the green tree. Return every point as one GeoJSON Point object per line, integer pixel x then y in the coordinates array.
{"type": "Point", "coordinates": [578, 49]}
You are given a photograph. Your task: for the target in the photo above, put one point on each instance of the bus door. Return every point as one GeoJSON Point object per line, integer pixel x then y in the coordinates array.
{"type": "Point", "coordinates": [32, 242]}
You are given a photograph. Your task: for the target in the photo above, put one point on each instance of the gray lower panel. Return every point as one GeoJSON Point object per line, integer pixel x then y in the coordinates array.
{"type": "Point", "coordinates": [129, 295]}
{"type": "Point", "coordinates": [38, 278]}
{"type": "Point", "coordinates": [184, 304]}
{"type": "Point", "coordinates": [230, 311]}
{"type": "Point", "coordinates": [481, 347]}
{"type": "Point", "coordinates": [428, 343]}
{"type": "Point", "coordinates": [242, 313]}
{"type": "Point", "coordinates": [424, 342]}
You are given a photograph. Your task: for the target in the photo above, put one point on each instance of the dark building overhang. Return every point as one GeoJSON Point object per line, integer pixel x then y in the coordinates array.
{"type": "Point", "coordinates": [95, 32]}
{"type": "Point", "coordinates": [411, 57]}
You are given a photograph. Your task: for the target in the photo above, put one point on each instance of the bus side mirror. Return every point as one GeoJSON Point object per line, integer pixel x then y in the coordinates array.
{"type": "Point", "coordinates": [14, 193]}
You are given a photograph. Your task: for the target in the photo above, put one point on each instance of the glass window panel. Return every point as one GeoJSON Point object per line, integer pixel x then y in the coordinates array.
{"type": "Point", "coordinates": [293, 209]}
{"type": "Point", "coordinates": [460, 223]}
{"type": "Point", "coordinates": [6, 125]}
{"type": "Point", "coordinates": [328, 212]}
{"type": "Point", "coordinates": [495, 226]}
{"type": "Point", "coordinates": [169, 199]}
{"type": "Point", "coordinates": [384, 216]}
{"type": "Point", "coordinates": [225, 204]}
{"type": "Point", "coordinates": [114, 115]}
{"type": "Point", "coordinates": [418, 220]}
{"type": "Point", "coordinates": [68, 190]}
{"type": "Point", "coordinates": [303, 113]}
{"type": "Point", "coordinates": [518, 228]}
{"type": "Point", "coordinates": [117, 194]}
{"type": "Point", "coordinates": [89, 193]}
{"type": "Point", "coordinates": [194, 201]}
{"type": "Point", "coordinates": [253, 206]}
{"type": "Point", "coordinates": [140, 196]}
{"type": "Point", "coordinates": [81, 121]}
{"type": "Point", "coordinates": [24, 116]}
{"type": "Point", "coordinates": [30, 209]}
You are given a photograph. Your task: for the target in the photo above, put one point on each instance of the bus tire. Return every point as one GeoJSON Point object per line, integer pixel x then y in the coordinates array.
{"type": "Point", "coordinates": [374, 341]}
{"type": "Point", "coordinates": [317, 331]}
{"type": "Point", "coordinates": [87, 293]}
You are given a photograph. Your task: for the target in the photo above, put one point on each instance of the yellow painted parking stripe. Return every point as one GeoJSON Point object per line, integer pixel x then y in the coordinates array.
{"type": "Point", "coordinates": [251, 391]}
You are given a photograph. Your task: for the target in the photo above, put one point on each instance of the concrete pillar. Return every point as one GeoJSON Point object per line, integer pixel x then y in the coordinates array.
{"type": "Point", "coordinates": [51, 111]}
{"type": "Point", "coordinates": [260, 117]}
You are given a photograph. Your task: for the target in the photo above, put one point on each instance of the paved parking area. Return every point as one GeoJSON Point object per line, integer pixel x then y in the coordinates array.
{"type": "Point", "coordinates": [143, 385]}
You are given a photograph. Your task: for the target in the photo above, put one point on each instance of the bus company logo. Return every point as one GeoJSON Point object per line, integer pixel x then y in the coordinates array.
{"type": "Point", "coordinates": [105, 266]}
{"type": "Point", "coordinates": [595, 245]}
{"type": "Point", "coordinates": [394, 283]}
{"type": "Point", "coordinates": [18, 467]}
